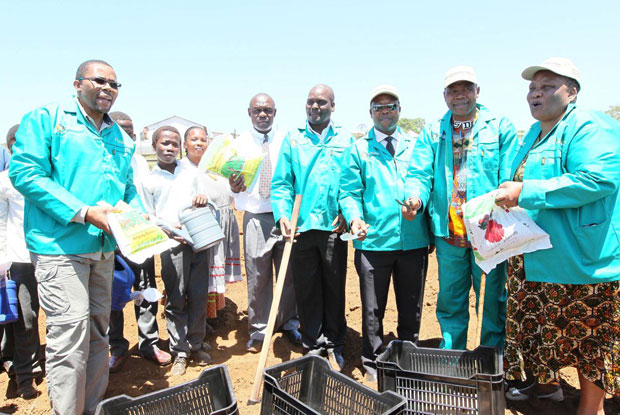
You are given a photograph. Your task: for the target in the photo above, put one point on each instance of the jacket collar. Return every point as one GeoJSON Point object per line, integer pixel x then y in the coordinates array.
{"type": "Point", "coordinates": [484, 116]}
{"type": "Point", "coordinates": [403, 141]}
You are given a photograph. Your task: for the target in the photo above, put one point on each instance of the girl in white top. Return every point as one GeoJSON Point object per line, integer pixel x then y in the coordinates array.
{"type": "Point", "coordinates": [225, 256]}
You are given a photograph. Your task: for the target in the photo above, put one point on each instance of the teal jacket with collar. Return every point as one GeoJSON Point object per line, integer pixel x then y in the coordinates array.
{"type": "Point", "coordinates": [570, 189]}
{"type": "Point", "coordinates": [61, 164]}
{"type": "Point", "coordinates": [489, 158]}
{"type": "Point", "coordinates": [311, 167]}
{"type": "Point", "coordinates": [371, 182]}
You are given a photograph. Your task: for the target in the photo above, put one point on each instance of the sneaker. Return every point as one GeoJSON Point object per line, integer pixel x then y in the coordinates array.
{"type": "Point", "coordinates": [27, 390]}
{"type": "Point", "coordinates": [178, 367]}
{"type": "Point", "coordinates": [116, 362]}
{"type": "Point", "coordinates": [158, 356]}
{"type": "Point", "coordinates": [201, 357]}
{"type": "Point", "coordinates": [336, 360]}
{"type": "Point", "coordinates": [294, 336]}
{"type": "Point", "coordinates": [254, 346]}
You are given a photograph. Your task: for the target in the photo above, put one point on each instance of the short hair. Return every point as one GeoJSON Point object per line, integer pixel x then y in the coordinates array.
{"type": "Point", "coordinates": [11, 134]}
{"type": "Point", "coordinates": [120, 116]}
{"type": "Point", "coordinates": [194, 127]}
{"type": "Point", "coordinates": [81, 70]}
{"type": "Point", "coordinates": [160, 130]}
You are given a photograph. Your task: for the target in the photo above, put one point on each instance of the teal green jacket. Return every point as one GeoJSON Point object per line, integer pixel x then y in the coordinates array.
{"type": "Point", "coordinates": [430, 177]}
{"type": "Point", "coordinates": [371, 182]}
{"type": "Point", "coordinates": [570, 189]}
{"type": "Point", "coordinates": [311, 167]}
{"type": "Point", "coordinates": [60, 164]}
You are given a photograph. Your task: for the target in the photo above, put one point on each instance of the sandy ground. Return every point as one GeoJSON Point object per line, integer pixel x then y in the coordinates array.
{"type": "Point", "coordinates": [230, 336]}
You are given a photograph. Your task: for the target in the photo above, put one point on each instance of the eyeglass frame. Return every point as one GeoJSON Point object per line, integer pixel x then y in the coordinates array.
{"type": "Point", "coordinates": [100, 81]}
{"type": "Point", "coordinates": [379, 107]}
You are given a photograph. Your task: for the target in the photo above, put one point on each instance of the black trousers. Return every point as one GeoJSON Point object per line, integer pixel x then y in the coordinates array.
{"type": "Point", "coordinates": [375, 268]}
{"type": "Point", "coordinates": [319, 260]}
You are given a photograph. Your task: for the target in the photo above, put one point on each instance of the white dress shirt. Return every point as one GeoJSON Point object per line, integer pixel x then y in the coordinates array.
{"type": "Point", "coordinates": [381, 138]}
{"type": "Point", "coordinates": [140, 171]}
{"type": "Point", "coordinates": [252, 142]}
{"type": "Point", "coordinates": [12, 243]}
{"type": "Point", "coordinates": [323, 133]}
{"type": "Point", "coordinates": [165, 193]}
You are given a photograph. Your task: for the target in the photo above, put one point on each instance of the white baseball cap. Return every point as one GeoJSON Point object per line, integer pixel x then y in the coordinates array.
{"type": "Point", "coordinates": [561, 66]}
{"type": "Point", "coordinates": [460, 73]}
{"type": "Point", "coordinates": [384, 89]}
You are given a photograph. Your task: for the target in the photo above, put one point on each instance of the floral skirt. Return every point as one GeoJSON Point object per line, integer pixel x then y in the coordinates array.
{"type": "Point", "coordinates": [551, 326]}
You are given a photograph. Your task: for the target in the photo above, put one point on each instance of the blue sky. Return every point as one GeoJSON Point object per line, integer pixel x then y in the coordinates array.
{"type": "Point", "coordinates": [203, 60]}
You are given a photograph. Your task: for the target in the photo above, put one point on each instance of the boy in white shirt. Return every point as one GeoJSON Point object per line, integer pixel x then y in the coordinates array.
{"type": "Point", "coordinates": [167, 189]}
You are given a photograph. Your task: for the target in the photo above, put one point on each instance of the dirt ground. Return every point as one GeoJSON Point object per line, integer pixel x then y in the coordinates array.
{"type": "Point", "coordinates": [230, 336]}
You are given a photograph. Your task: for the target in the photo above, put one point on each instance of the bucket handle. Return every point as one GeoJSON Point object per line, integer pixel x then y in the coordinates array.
{"type": "Point", "coordinates": [210, 204]}
{"type": "Point", "coordinates": [121, 261]}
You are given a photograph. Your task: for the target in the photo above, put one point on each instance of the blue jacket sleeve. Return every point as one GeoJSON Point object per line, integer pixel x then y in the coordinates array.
{"type": "Point", "coordinates": [591, 172]}
{"type": "Point", "coordinates": [508, 145]}
{"type": "Point", "coordinates": [351, 185]}
{"type": "Point", "coordinates": [283, 183]}
{"type": "Point", "coordinates": [31, 169]}
{"type": "Point", "coordinates": [419, 180]}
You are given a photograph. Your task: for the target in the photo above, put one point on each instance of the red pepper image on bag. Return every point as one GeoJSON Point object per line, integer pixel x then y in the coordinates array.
{"type": "Point", "coordinates": [494, 230]}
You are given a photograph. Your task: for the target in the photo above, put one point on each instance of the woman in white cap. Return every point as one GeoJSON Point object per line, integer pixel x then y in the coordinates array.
{"type": "Point", "coordinates": [564, 302]}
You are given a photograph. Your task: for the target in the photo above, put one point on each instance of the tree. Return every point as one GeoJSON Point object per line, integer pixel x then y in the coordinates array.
{"type": "Point", "coordinates": [412, 124]}
{"type": "Point", "coordinates": [614, 112]}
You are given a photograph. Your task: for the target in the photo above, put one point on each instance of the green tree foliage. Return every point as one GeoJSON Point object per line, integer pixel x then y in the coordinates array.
{"type": "Point", "coordinates": [412, 124]}
{"type": "Point", "coordinates": [614, 112]}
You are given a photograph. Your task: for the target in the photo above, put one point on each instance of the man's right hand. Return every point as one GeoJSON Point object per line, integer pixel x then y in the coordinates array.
{"type": "Point", "coordinates": [285, 228]}
{"type": "Point", "coordinates": [410, 210]}
{"type": "Point", "coordinates": [358, 225]}
{"type": "Point", "coordinates": [237, 183]}
{"type": "Point", "coordinates": [98, 216]}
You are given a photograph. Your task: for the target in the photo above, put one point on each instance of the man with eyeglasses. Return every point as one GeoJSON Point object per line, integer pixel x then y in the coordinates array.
{"type": "Point", "coordinates": [72, 163]}
{"type": "Point", "coordinates": [309, 164]}
{"type": "Point", "coordinates": [467, 153]}
{"type": "Point", "coordinates": [262, 241]}
{"type": "Point", "coordinates": [372, 186]}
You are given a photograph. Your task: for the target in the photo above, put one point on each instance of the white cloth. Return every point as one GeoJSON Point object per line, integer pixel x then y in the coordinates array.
{"type": "Point", "coordinates": [381, 138]}
{"type": "Point", "coordinates": [141, 170]}
{"type": "Point", "coordinates": [252, 141]}
{"type": "Point", "coordinates": [166, 193]}
{"type": "Point", "coordinates": [216, 187]}
{"type": "Point", "coordinates": [12, 243]}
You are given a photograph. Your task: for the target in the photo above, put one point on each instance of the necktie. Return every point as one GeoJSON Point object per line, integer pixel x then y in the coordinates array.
{"type": "Point", "coordinates": [264, 185]}
{"type": "Point", "coordinates": [389, 146]}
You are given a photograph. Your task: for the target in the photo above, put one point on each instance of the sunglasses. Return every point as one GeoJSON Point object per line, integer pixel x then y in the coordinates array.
{"type": "Point", "coordinates": [101, 82]}
{"type": "Point", "coordinates": [389, 107]}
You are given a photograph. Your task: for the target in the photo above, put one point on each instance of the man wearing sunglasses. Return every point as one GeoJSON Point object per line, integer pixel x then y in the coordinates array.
{"type": "Point", "coordinates": [72, 163]}
{"type": "Point", "coordinates": [309, 164]}
{"type": "Point", "coordinates": [372, 188]}
{"type": "Point", "coordinates": [464, 155]}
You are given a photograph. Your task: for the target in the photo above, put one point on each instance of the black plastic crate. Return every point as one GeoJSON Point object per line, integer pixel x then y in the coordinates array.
{"type": "Point", "coordinates": [210, 394]}
{"type": "Point", "coordinates": [436, 381]}
{"type": "Point", "coordinates": [309, 386]}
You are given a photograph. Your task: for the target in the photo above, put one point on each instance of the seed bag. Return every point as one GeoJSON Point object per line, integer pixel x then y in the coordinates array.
{"type": "Point", "coordinates": [496, 233]}
{"type": "Point", "coordinates": [225, 157]}
{"type": "Point", "coordinates": [137, 238]}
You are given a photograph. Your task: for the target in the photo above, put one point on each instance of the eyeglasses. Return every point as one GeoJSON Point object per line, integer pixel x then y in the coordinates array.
{"type": "Point", "coordinates": [389, 107]}
{"type": "Point", "coordinates": [257, 111]}
{"type": "Point", "coordinates": [101, 82]}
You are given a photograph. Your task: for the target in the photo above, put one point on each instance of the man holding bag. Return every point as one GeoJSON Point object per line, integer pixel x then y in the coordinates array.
{"type": "Point", "coordinates": [464, 155]}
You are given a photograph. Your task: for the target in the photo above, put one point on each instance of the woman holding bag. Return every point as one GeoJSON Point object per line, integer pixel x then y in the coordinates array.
{"type": "Point", "coordinates": [564, 302]}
